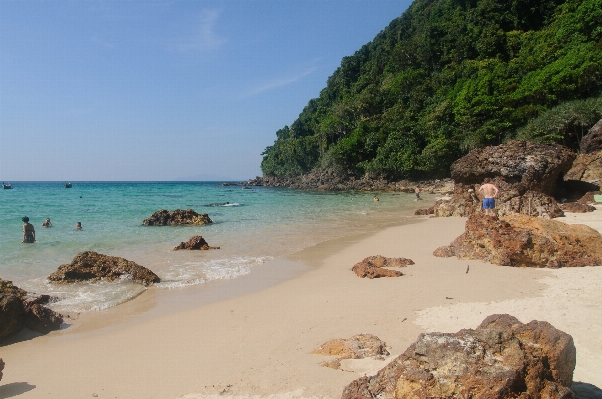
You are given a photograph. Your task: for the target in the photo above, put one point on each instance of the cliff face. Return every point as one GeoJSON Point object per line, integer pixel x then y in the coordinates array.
{"type": "Point", "coordinates": [442, 79]}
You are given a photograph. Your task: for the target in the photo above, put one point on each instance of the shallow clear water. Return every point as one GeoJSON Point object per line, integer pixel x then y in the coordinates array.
{"type": "Point", "coordinates": [251, 226]}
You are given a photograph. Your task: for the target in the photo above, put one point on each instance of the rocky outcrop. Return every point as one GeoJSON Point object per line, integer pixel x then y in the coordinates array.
{"type": "Point", "coordinates": [586, 173]}
{"type": "Point", "coordinates": [374, 266]}
{"type": "Point", "coordinates": [588, 198]}
{"type": "Point", "coordinates": [195, 243]}
{"type": "Point", "coordinates": [17, 310]}
{"type": "Point", "coordinates": [531, 203]}
{"type": "Point", "coordinates": [501, 359]}
{"type": "Point", "coordinates": [177, 218]}
{"type": "Point", "coordinates": [329, 179]}
{"type": "Point", "coordinates": [592, 141]}
{"type": "Point", "coordinates": [520, 240]}
{"type": "Point", "coordinates": [576, 207]}
{"type": "Point", "coordinates": [1, 368]}
{"type": "Point", "coordinates": [357, 347]}
{"type": "Point", "coordinates": [530, 166]}
{"type": "Point", "coordinates": [91, 267]}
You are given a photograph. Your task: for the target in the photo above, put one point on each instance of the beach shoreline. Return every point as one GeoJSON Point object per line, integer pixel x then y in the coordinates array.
{"type": "Point", "coordinates": [259, 344]}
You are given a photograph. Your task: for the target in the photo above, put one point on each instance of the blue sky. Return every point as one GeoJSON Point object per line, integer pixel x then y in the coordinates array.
{"type": "Point", "coordinates": [164, 90]}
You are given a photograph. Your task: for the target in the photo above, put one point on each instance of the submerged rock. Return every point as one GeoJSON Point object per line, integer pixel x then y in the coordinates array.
{"type": "Point", "coordinates": [520, 240]}
{"type": "Point", "coordinates": [18, 311]}
{"type": "Point", "coordinates": [374, 266]}
{"type": "Point", "coordinates": [502, 358]}
{"type": "Point", "coordinates": [176, 218]}
{"type": "Point", "coordinates": [91, 267]}
{"type": "Point", "coordinates": [196, 242]}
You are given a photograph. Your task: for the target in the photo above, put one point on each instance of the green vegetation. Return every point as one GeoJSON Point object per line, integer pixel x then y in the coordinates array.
{"type": "Point", "coordinates": [448, 76]}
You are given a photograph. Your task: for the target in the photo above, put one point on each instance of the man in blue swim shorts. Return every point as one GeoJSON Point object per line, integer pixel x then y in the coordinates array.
{"type": "Point", "coordinates": [489, 191]}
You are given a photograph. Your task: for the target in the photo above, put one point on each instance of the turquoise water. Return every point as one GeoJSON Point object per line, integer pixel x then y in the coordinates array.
{"type": "Point", "coordinates": [254, 226]}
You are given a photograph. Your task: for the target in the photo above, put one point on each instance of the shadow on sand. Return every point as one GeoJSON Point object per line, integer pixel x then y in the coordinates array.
{"type": "Point", "coordinates": [583, 390]}
{"type": "Point", "coordinates": [14, 389]}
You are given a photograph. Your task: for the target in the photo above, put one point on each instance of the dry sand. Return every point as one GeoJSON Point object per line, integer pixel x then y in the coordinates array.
{"type": "Point", "coordinates": [252, 337]}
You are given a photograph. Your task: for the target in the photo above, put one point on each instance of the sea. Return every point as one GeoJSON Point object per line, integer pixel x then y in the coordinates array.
{"type": "Point", "coordinates": [252, 225]}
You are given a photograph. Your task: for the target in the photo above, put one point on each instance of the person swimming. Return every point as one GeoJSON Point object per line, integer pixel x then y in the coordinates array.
{"type": "Point", "coordinates": [78, 226]}
{"type": "Point", "coordinates": [29, 232]}
{"type": "Point", "coordinates": [47, 223]}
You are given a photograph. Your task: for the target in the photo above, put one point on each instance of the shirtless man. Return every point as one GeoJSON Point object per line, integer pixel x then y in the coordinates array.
{"type": "Point", "coordinates": [489, 191]}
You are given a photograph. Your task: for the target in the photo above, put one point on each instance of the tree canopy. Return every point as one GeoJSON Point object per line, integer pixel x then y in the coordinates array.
{"type": "Point", "coordinates": [445, 77]}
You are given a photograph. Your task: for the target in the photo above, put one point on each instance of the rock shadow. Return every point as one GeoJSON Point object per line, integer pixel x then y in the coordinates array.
{"type": "Point", "coordinates": [13, 389]}
{"type": "Point", "coordinates": [583, 390]}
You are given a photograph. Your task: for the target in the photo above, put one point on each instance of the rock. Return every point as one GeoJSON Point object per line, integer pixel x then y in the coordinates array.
{"type": "Point", "coordinates": [16, 312]}
{"type": "Point", "coordinates": [91, 266]}
{"type": "Point", "coordinates": [427, 211]}
{"type": "Point", "coordinates": [374, 266]}
{"type": "Point", "coordinates": [531, 166]}
{"type": "Point", "coordinates": [41, 319]}
{"type": "Point", "coordinates": [588, 198]}
{"type": "Point", "coordinates": [196, 242]}
{"type": "Point", "coordinates": [532, 203]}
{"type": "Point", "coordinates": [357, 347]}
{"type": "Point", "coordinates": [576, 207]}
{"type": "Point", "coordinates": [176, 218]}
{"type": "Point", "coordinates": [1, 368]}
{"type": "Point", "coordinates": [592, 141]}
{"type": "Point", "coordinates": [586, 173]}
{"type": "Point", "coordinates": [520, 240]}
{"type": "Point", "coordinates": [502, 358]}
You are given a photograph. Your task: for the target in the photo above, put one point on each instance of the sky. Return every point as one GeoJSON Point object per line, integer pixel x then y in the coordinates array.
{"type": "Point", "coordinates": [164, 90]}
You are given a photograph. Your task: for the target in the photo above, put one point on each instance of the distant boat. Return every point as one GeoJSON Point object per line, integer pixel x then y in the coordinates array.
{"type": "Point", "coordinates": [6, 186]}
{"type": "Point", "coordinates": [68, 185]}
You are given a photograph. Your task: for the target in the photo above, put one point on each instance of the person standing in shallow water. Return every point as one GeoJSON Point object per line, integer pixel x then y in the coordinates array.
{"type": "Point", "coordinates": [29, 232]}
{"type": "Point", "coordinates": [78, 226]}
{"type": "Point", "coordinates": [489, 191]}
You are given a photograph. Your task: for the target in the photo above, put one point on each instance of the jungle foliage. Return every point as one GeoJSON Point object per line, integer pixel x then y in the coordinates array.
{"type": "Point", "coordinates": [448, 76]}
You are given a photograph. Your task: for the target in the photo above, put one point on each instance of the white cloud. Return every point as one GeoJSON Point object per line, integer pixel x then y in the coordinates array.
{"type": "Point", "coordinates": [204, 37]}
{"type": "Point", "coordinates": [278, 82]}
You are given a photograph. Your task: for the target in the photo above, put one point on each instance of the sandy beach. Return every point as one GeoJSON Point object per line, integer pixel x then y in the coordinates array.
{"type": "Point", "coordinates": [253, 337]}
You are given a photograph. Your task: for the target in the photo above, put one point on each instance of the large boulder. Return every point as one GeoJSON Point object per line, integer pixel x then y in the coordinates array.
{"type": "Point", "coordinates": [537, 167]}
{"type": "Point", "coordinates": [520, 240]}
{"type": "Point", "coordinates": [176, 218]}
{"type": "Point", "coordinates": [511, 199]}
{"type": "Point", "coordinates": [592, 141]}
{"type": "Point", "coordinates": [18, 310]}
{"type": "Point", "coordinates": [586, 173]}
{"type": "Point", "coordinates": [195, 243]}
{"type": "Point", "coordinates": [374, 266]}
{"type": "Point", "coordinates": [91, 266]}
{"type": "Point", "coordinates": [501, 359]}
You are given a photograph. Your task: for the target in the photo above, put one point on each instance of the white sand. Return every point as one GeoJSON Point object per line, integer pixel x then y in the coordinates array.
{"type": "Point", "coordinates": [258, 344]}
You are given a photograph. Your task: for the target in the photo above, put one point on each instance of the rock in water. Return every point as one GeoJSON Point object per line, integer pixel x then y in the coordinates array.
{"type": "Point", "coordinates": [520, 240]}
{"type": "Point", "coordinates": [91, 266]}
{"type": "Point", "coordinates": [196, 242]}
{"type": "Point", "coordinates": [176, 218]}
{"type": "Point", "coordinates": [502, 359]}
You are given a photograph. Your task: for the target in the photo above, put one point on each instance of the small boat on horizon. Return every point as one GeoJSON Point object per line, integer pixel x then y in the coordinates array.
{"type": "Point", "coordinates": [68, 185]}
{"type": "Point", "coordinates": [6, 186]}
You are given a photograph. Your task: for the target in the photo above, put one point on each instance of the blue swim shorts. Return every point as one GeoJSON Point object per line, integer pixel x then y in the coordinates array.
{"type": "Point", "coordinates": [488, 203]}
